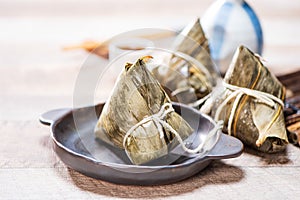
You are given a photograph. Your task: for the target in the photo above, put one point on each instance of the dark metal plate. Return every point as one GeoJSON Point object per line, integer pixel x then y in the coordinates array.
{"type": "Point", "coordinates": [75, 144]}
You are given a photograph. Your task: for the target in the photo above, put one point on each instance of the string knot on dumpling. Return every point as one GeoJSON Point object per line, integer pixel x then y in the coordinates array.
{"type": "Point", "coordinates": [159, 120]}
{"type": "Point", "coordinates": [237, 93]}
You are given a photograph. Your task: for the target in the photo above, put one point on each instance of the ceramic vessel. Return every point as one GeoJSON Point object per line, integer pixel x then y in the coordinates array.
{"type": "Point", "coordinates": [229, 24]}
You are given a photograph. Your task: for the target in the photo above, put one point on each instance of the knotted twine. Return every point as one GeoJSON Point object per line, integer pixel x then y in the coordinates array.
{"type": "Point", "coordinates": [159, 120]}
{"type": "Point", "coordinates": [237, 93]}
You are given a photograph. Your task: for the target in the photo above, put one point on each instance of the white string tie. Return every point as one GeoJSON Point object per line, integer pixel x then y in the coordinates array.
{"type": "Point", "coordinates": [237, 93]}
{"type": "Point", "coordinates": [159, 121]}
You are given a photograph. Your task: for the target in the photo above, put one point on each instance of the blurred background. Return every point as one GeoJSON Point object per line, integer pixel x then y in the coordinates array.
{"type": "Point", "coordinates": [35, 30]}
{"type": "Point", "coordinates": [33, 33]}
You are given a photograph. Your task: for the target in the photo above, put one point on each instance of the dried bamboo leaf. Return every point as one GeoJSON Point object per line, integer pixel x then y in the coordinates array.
{"type": "Point", "coordinates": [189, 80]}
{"type": "Point", "coordinates": [255, 123]}
{"type": "Point", "coordinates": [193, 42]}
{"type": "Point", "coordinates": [136, 95]}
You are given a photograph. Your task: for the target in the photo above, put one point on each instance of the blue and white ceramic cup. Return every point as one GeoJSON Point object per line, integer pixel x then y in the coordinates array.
{"type": "Point", "coordinates": [229, 24]}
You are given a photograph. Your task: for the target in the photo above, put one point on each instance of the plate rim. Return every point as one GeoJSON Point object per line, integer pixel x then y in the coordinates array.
{"type": "Point", "coordinates": [187, 162]}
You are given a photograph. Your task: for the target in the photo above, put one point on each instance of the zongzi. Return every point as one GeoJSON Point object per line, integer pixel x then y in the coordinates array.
{"type": "Point", "coordinates": [251, 103]}
{"type": "Point", "coordinates": [193, 42]}
{"type": "Point", "coordinates": [189, 78]}
{"type": "Point", "coordinates": [138, 116]}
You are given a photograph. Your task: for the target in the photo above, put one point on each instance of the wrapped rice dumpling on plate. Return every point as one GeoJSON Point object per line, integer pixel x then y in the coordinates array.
{"type": "Point", "coordinates": [251, 103]}
{"type": "Point", "coordinates": [139, 117]}
{"type": "Point", "coordinates": [191, 75]}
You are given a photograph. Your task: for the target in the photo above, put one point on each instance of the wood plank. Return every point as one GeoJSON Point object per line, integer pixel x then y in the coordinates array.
{"type": "Point", "coordinates": [220, 181]}
{"type": "Point", "coordinates": [46, 35]}
{"type": "Point", "coordinates": [34, 160]}
{"type": "Point", "coordinates": [27, 145]}
{"type": "Point", "coordinates": [33, 169]}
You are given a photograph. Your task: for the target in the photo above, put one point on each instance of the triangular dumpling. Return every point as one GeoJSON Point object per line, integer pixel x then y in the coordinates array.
{"type": "Point", "coordinates": [136, 95]}
{"type": "Point", "coordinates": [193, 42]}
{"type": "Point", "coordinates": [190, 75]}
{"type": "Point", "coordinates": [254, 121]}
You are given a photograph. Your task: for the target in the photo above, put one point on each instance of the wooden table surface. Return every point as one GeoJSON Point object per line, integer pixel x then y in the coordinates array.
{"type": "Point", "coordinates": [36, 76]}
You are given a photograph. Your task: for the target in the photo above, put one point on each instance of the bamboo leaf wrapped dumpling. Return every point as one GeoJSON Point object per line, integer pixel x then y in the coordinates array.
{"type": "Point", "coordinates": [251, 104]}
{"type": "Point", "coordinates": [189, 80]}
{"type": "Point", "coordinates": [193, 42]}
{"type": "Point", "coordinates": [126, 117]}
